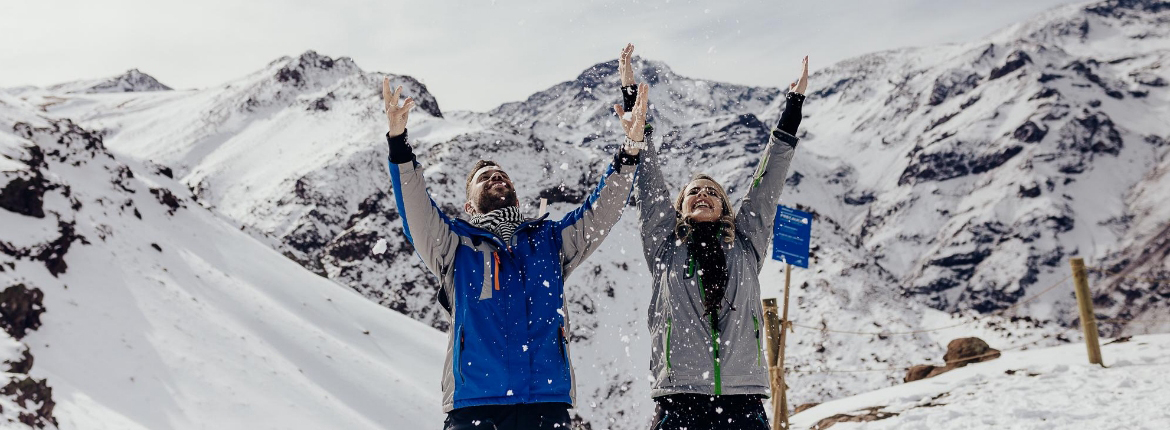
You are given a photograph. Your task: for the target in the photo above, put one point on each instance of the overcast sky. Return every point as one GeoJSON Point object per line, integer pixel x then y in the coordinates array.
{"type": "Point", "coordinates": [473, 55]}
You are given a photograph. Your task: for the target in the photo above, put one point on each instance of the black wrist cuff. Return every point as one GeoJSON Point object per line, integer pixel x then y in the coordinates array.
{"type": "Point", "coordinates": [623, 159]}
{"type": "Point", "coordinates": [790, 119]}
{"type": "Point", "coordinates": [400, 151]}
{"type": "Point", "coordinates": [629, 97]}
{"type": "Point", "coordinates": [785, 137]}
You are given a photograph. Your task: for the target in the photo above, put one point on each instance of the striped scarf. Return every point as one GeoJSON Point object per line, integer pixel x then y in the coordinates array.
{"type": "Point", "coordinates": [502, 222]}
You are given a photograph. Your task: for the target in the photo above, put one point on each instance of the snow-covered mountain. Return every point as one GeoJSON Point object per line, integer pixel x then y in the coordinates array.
{"type": "Point", "coordinates": [128, 306]}
{"type": "Point", "coordinates": [949, 183]}
{"type": "Point", "coordinates": [129, 82]}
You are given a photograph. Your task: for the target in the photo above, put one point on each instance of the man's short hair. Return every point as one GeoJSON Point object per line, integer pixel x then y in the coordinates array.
{"type": "Point", "coordinates": [471, 175]}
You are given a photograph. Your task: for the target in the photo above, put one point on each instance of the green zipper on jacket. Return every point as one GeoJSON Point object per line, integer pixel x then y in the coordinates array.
{"type": "Point", "coordinates": [756, 323]}
{"type": "Point", "coordinates": [668, 327]}
{"type": "Point", "coordinates": [714, 331]}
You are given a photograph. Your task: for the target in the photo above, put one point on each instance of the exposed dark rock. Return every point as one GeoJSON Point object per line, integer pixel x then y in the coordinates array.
{"type": "Point", "coordinates": [948, 165]}
{"type": "Point", "coordinates": [962, 259]}
{"type": "Point", "coordinates": [951, 85]}
{"type": "Point", "coordinates": [352, 245]}
{"type": "Point", "coordinates": [1122, 8]}
{"type": "Point", "coordinates": [921, 371]}
{"type": "Point", "coordinates": [1029, 192]}
{"type": "Point", "coordinates": [960, 352]}
{"type": "Point", "coordinates": [1045, 93]}
{"type": "Point", "coordinates": [969, 102]}
{"type": "Point", "coordinates": [25, 195]}
{"type": "Point", "coordinates": [21, 309]}
{"type": "Point", "coordinates": [1091, 133]}
{"type": "Point", "coordinates": [53, 253]}
{"type": "Point", "coordinates": [1015, 61]}
{"type": "Point", "coordinates": [1029, 132]}
{"type": "Point", "coordinates": [22, 365]}
{"type": "Point", "coordinates": [1047, 77]}
{"type": "Point", "coordinates": [1149, 79]}
{"type": "Point", "coordinates": [856, 199]}
{"type": "Point", "coordinates": [793, 179]}
{"type": "Point", "coordinates": [942, 120]}
{"type": "Point", "coordinates": [319, 105]}
{"type": "Point", "coordinates": [967, 350]}
{"type": "Point", "coordinates": [131, 81]}
{"type": "Point", "coordinates": [1087, 71]}
{"type": "Point", "coordinates": [167, 198]}
{"type": "Point", "coordinates": [122, 179]}
{"type": "Point", "coordinates": [37, 396]}
{"type": "Point", "coordinates": [834, 88]}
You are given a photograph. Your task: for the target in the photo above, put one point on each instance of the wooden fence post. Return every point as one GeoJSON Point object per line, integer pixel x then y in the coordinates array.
{"type": "Point", "coordinates": [1085, 304]}
{"type": "Point", "coordinates": [772, 323]}
{"type": "Point", "coordinates": [777, 326]}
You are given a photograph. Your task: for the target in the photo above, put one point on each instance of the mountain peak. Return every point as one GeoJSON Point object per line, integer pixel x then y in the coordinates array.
{"type": "Point", "coordinates": [130, 82]}
{"type": "Point", "coordinates": [296, 70]}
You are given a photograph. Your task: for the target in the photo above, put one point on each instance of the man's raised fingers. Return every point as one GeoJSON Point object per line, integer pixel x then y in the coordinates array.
{"type": "Point", "coordinates": [619, 111]}
{"type": "Point", "coordinates": [386, 92]}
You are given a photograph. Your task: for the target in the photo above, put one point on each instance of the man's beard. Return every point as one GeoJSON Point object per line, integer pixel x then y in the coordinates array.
{"type": "Point", "coordinates": [491, 200]}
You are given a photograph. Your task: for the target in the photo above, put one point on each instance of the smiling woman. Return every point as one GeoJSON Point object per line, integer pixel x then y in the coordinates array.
{"type": "Point", "coordinates": [705, 259]}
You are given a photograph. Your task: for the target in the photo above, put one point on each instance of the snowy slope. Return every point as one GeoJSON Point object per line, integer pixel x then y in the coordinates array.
{"type": "Point", "coordinates": [1039, 389]}
{"type": "Point", "coordinates": [159, 314]}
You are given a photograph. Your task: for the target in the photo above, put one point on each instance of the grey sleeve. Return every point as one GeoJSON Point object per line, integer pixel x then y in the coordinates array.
{"type": "Point", "coordinates": [757, 210]}
{"type": "Point", "coordinates": [426, 227]}
{"type": "Point", "coordinates": [583, 229]}
{"type": "Point", "coordinates": [656, 210]}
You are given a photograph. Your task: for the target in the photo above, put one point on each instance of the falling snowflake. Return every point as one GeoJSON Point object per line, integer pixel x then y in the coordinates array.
{"type": "Point", "coordinates": [380, 247]}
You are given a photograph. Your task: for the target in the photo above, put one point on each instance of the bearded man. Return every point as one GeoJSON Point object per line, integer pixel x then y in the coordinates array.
{"type": "Point", "coordinates": [502, 276]}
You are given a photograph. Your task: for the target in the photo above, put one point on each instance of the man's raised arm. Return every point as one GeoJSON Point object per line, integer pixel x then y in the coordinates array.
{"type": "Point", "coordinates": [583, 229]}
{"type": "Point", "coordinates": [425, 226]}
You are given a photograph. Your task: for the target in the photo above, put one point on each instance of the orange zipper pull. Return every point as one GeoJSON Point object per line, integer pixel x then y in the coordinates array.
{"type": "Point", "coordinates": [496, 275]}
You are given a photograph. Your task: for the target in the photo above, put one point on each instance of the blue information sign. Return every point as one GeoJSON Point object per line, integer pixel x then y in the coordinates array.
{"type": "Point", "coordinates": [791, 236]}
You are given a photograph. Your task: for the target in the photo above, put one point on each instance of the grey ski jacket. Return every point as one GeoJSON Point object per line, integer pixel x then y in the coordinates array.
{"type": "Point", "coordinates": [687, 356]}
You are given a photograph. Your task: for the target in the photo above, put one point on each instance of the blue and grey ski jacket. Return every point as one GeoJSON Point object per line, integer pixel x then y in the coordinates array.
{"type": "Point", "coordinates": [508, 343]}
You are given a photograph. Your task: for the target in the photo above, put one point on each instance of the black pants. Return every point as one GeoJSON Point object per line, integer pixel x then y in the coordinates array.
{"type": "Point", "coordinates": [701, 412]}
{"type": "Point", "coordinates": [535, 416]}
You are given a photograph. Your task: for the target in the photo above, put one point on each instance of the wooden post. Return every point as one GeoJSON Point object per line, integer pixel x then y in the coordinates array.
{"type": "Point", "coordinates": [772, 323]}
{"type": "Point", "coordinates": [776, 325]}
{"type": "Point", "coordinates": [1085, 304]}
{"type": "Point", "coordinates": [785, 326]}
